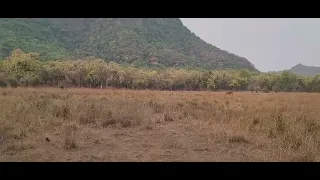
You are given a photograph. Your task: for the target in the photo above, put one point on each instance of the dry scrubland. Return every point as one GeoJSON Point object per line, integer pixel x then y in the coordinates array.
{"type": "Point", "coordinates": [125, 125]}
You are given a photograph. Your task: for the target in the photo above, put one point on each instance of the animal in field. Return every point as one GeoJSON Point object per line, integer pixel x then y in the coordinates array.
{"type": "Point", "coordinates": [229, 93]}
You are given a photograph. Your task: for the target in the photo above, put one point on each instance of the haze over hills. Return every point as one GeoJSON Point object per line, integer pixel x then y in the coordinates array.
{"type": "Point", "coordinates": [141, 41]}
{"type": "Point", "coordinates": [303, 70]}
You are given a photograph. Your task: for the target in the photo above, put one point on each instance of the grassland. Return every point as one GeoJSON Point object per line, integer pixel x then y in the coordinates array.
{"type": "Point", "coordinates": [47, 124]}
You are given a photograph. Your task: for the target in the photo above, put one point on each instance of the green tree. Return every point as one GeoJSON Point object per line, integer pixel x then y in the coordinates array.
{"type": "Point", "coordinates": [24, 67]}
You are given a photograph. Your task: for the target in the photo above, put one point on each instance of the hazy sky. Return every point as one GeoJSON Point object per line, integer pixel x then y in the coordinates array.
{"type": "Point", "coordinates": [270, 44]}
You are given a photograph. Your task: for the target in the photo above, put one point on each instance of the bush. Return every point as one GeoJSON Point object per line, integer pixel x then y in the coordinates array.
{"type": "Point", "coordinates": [12, 82]}
{"type": "Point", "coordinates": [6, 81]}
{"type": "Point", "coordinates": [29, 81]}
{"type": "Point", "coordinates": [3, 80]}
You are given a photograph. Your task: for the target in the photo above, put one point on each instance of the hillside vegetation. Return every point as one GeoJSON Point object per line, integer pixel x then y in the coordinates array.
{"type": "Point", "coordinates": [302, 70]}
{"type": "Point", "coordinates": [305, 70]}
{"type": "Point", "coordinates": [162, 42]}
{"type": "Point", "coordinates": [26, 69]}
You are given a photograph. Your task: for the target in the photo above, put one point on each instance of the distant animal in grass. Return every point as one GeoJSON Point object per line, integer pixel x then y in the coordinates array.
{"type": "Point", "coordinates": [229, 93]}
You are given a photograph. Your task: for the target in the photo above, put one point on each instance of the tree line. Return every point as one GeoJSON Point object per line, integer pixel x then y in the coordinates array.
{"type": "Point", "coordinates": [26, 69]}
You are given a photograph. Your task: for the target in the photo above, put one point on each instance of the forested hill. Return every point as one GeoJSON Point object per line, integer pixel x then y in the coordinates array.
{"type": "Point", "coordinates": [305, 70]}
{"type": "Point", "coordinates": [140, 41]}
{"type": "Point", "coordinates": [302, 70]}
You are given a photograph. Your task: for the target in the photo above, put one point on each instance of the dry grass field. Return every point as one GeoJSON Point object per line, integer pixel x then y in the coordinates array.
{"type": "Point", "coordinates": [125, 125]}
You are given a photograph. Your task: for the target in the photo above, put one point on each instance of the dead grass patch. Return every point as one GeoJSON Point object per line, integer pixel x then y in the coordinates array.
{"type": "Point", "coordinates": [238, 139]}
{"type": "Point", "coordinates": [70, 137]}
{"type": "Point", "coordinates": [285, 123]}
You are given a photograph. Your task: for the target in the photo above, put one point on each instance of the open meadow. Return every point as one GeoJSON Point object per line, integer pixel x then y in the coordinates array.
{"type": "Point", "coordinates": [51, 124]}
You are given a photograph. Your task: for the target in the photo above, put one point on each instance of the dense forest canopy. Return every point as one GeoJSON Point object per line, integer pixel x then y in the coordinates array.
{"type": "Point", "coordinates": [27, 69]}
{"type": "Point", "coordinates": [162, 42]}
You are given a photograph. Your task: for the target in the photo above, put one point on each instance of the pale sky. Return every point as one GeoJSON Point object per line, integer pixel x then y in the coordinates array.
{"type": "Point", "coordinates": [270, 44]}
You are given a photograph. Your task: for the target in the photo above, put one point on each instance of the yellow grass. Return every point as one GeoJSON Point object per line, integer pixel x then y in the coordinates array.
{"type": "Point", "coordinates": [125, 125]}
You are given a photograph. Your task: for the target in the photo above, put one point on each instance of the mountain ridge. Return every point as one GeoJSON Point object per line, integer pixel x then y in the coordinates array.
{"type": "Point", "coordinates": [141, 41]}
{"type": "Point", "coordinates": [303, 70]}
